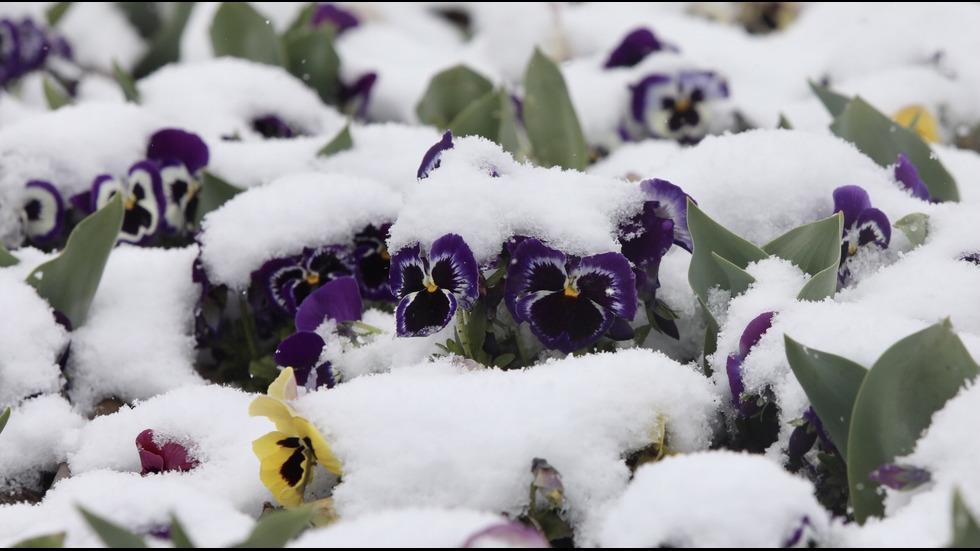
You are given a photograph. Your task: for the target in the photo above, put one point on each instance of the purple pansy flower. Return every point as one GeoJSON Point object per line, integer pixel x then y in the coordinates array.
{"type": "Point", "coordinates": [341, 19]}
{"type": "Point", "coordinates": [162, 455]}
{"type": "Point", "coordinates": [143, 199]}
{"type": "Point", "coordinates": [181, 157]}
{"type": "Point", "coordinates": [287, 281]}
{"type": "Point", "coordinates": [662, 222]}
{"type": "Point", "coordinates": [863, 225]}
{"type": "Point", "coordinates": [677, 107]}
{"type": "Point", "coordinates": [433, 157]}
{"type": "Point", "coordinates": [750, 337]}
{"type": "Point", "coordinates": [354, 98]}
{"type": "Point", "coordinates": [372, 263]}
{"type": "Point", "coordinates": [908, 176]}
{"type": "Point", "coordinates": [43, 213]}
{"type": "Point", "coordinates": [430, 288]}
{"type": "Point", "coordinates": [635, 46]}
{"type": "Point", "coordinates": [569, 302]}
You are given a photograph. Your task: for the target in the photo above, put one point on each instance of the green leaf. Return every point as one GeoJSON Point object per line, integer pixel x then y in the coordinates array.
{"type": "Point", "coordinates": [812, 247]}
{"type": "Point", "coordinates": [214, 192]}
{"type": "Point", "coordinates": [738, 280]}
{"type": "Point", "coordinates": [494, 117]}
{"type": "Point", "coordinates": [831, 384]}
{"type": "Point", "coordinates": [239, 31]}
{"type": "Point", "coordinates": [915, 226]}
{"type": "Point", "coordinates": [341, 142]}
{"type": "Point", "coordinates": [641, 333]}
{"type": "Point", "coordinates": [55, 94]}
{"type": "Point", "coordinates": [164, 47]}
{"type": "Point", "coordinates": [476, 330]}
{"type": "Point", "coordinates": [449, 93]}
{"type": "Point", "coordinates": [910, 382]}
{"type": "Point", "coordinates": [503, 360]}
{"type": "Point", "coordinates": [49, 541]}
{"type": "Point", "coordinates": [822, 285]}
{"type": "Point", "coordinates": [710, 239]}
{"type": "Point", "coordinates": [549, 117]}
{"type": "Point", "coordinates": [4, 417]}
{"type": "Point", "coordinates": [55, 12]}
{"type": "Point", "coordinates": [882, 139]}
{"type": "Point", "coordinates": [178, 535]}
{"type": "Point", "coordinates": [145, 17]}
{"type": "Point", "coordinates": [111, 534]}
{"type": "Point", "coordinates": [7, 259]}
{"type": "Point", "coordinates": [125, 82]}
{"type": "Point", "coordinates": [784, 123]}
{"type": "Point", "coordinates": [69, 281]}
{"type": "Point", "coordinates": [834, 102]}
{"type": "Point", "coordinates": [310, 57]}
{"type": "Point", "coordinates": [966, 532]}
{"type": "Point", "coordinates": [277, 527]}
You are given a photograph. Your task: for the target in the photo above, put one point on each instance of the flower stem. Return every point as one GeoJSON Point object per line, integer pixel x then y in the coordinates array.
{"type": "Point", "coordinates": [249, 326]}
{"type": "Point", "coordinates": [464, 339]}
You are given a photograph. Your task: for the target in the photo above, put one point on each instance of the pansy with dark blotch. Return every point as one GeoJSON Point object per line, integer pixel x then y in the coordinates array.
{"type": "Point", "coordinates": [43, 213]}
{"type": "Point", "coordinates": [372, 262]}
{"type": "Point", "coordinates": [181, 157]}
{"type": "Point", "coordinates": [160, 454]}
{"type": "Point", "coordinates": [431, 287]}
{"type": "Point", "coordinates": [569, 303]}
{"type": "Point", "coordinates": [636, 46]}
{"type": "Point", "coordinates": [433, 157]}
{"type": "Point", "coordinates": [864, 225]}
{"type": "Point", "coordinates": [287, 281]}
{"type": "Point", "coordinates": [750, 337]}
{"type": "Point", "coordinates": [677, 107]}
{"type": "Point", "coordinates": [908, 177]}
{"type": "Point", "coordinates": [143, 199]}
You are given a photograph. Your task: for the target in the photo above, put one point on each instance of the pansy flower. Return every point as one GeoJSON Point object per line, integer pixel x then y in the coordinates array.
{"type": "Point", "coordinates": [750, 337]}
{"type": "Point", "coordinates": [372, 262]}
{"type": "Point", "coordinates": [569, 302]}
{"type": "Point", "coordinates": [677, 107]}
{"type": "Point", "coordinates": [327, 12]}
{"type": "Point", "coordinates": [288, 455]}
{"type": "Point", "coordinates": [158, 454]}
{"type": "Point", "coordinates": [908, 177]}
{"type": "Point", "coordinates": [287, 281]}
{"type": "Point", "coordinates": [636, 45]}
{"type": "Point", "coordinates": [142, 193]}
{"type": "Point", "coordinates": [662, 222]}
{"type": "Point", "coordinates": [354, 98]}
{"type": "Point", "coordinates": [431, 287]}
{"type": "Point", "coordinates": [43, 213]}
{"type": "Point", "coordinates": [181, 157]}
{"type": "Point", "coordinates": [433, 157]}
{"type": "Point", "coordinates": [864, 225]}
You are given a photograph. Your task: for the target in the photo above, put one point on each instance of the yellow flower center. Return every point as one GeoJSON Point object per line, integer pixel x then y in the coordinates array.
{"type": "Point", "coordinates": [571, 290]}
{"type": "Point", "coordinates": [312, 278]}
{"type": "Point", "coordinates": [130, 203]}
{"type": "Point", "coordinates": [683, 104]}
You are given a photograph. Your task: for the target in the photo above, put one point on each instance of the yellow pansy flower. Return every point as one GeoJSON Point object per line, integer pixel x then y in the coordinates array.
{"type": "Point", "coordinates": [925, 124]}
{"type": "Point", "coordinates": [288, 455]}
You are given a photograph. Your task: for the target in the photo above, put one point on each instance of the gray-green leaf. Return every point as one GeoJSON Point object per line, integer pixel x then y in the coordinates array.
{"type": "Point", "coordinates": [341, 142]}
{"type": "Point", "coordinates": [549, 116]}
{"type": "Point", "coordinates": [449, 93]}
{"type": "Point", "coordinates": [310, 57]}
{"type": "Point", "coordinates": [915, 226]}
{"type": "Point", "coordinates": [238, 30]}
{"type": "Point", "coordinates": [214, 192]}
{"type": "Point", "coordinates": [111, 534]}
{"type": "Point", "coordinates": [125, 81]}
{"type": "Point", "coordinates": [277, 527]}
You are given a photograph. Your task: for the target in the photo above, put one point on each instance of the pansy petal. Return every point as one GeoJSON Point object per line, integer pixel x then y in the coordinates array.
{"type": "Point", "coordinates": [143, 203]}
{"type": "Point", "coordinates": [635, 46]}
{"type": "Point", "coordinates": [325, 376]}
{"type": "Point", "coordinates": [408, 270]}
{"type": "Point", "coordinates": [339, 300]}
{"type": "Point", "coordinates": [703, 85]}
{"type": "Point", "coordinates": [753, 332]}
{"type": "Point", "coordinates": [733, 369]}
{"type": "Point", "coordinates": [327, 263]}
{"type": "Point", "coordinates": [328, 12]}
{"type": "Point", "coordinates": [431, 159]}
{"type": "Point", "coordinates": [533, 267]}
{"type": "Point", "coordinates": [355, 98]}
{"type": "Point", "coordinates": [647, 237]}
{"type": "Point", "coordinates": [277, 278]}
{"type": "Point", "coordinates": [175, 144]}
{"type": "Point", "coordinates": [324, 455]}
{"type": "Point", "coordinates": [271, 126]}
{"type": "Point", "coordinates": [104, 187]}
{"type": "Point", "coordinates": [649, 93]}
{"type": "Point", "coordinates": [607, 280]}
{"type": "Point", "coordinates": [177, 458]}
{"type": "Point", "coordinates": [454, 268]}
{"type": "Point", "coordinates": [908, 176]}
{"type": "Point", "coordinates": [286, 466]}
{"type": "Point", "coordinates": [180, 193]}
{"type": "Point", "coordinates": [671, 203]}
{"type": "Point", "coordinates": [851, 200]}
{"type": "Point", "coordinates": [301, 351]}
{"type": "Point", "coordinates": [150, 462]}
{"type": "Point", "coordinates": [284, 386]}
{"type": "Point", "coordinates": [873, 227]}
{"type": "Point", "coordinates": [44, 211]}
{"type": "Point", "coordinates": [562, 322]}
{"type": "Point", "coordinates": [423, 313]}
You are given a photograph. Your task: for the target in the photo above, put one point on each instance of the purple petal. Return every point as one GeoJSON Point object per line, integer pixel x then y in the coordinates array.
{"type": "Point", "coordinates": [706, 84]}
{"type": "Point", "coordinates": [647, 237]}
{"type": "Point", "coordinates": [372, 263]}
{"type": "Point", "coordinates": [176, 458]}
{"type": "Point", "coordinates": [908, 176]}
{"type": "Point", "coordinates": [671, 204]}
{"type": "Point", "coordinates": [873, 227]}
{"type": "Point", "coordinates": [271, 126]}
{"type": "Point", "coordinates": [144, 204]}
{"type": "Point", "coordinates": [753, 332]}
{"type": "Point", "coordinates": [534, 267]}
{"type": "Point", "coordinates": [327, 263]}
{"type": "Point", "coordinates": [180, 193]}
{"type": "Point", "coordinates": [408, 270]}
{"type": "Point", "coordinates": [355, 97]}
{"type": "Point", "coordinates": [510, 534]}
{"type": "Point", "coordinates": [277, 278]}
{"type": "Point", "coordinates": [300, 351]}
{"type": "Point", "coordinates": [635, 46]}
{"type": "Point", "coordinates": [44, 210]}
{"type": "Point", "coordinates": [900, 477]}
{"type": "Point", "coordinates": [454, 268]}
{"type": "Point", "coordinates": [339, 300]}
{"type": "Point", "coordinates": [324, 376]}
{"type": "Point", "coordinates": [331, 13]}
{"type": "Point", "coordinates": [175, 144]}
{"type": "Point", "coordinates": [563, 322]}
{"type": "Point", "coordinates": [607, 280]}
{"type": "Point", "coordinates": [648, 94]}
{"type": "Point", "coordinates": [621, 330]}
{"type": "Point", "coordinates": [431, 159]}
{"type": "Point", "coordinates": [851, 200]}
{"type": "Point", "coordinates": [424, 312]}
{"type": "Point", "coordinates": [735, 384]}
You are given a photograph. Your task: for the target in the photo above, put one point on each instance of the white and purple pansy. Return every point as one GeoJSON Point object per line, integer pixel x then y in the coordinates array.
{"type": "Point", "coordinates": [636, 46]}
{"type": "Point", "coordinates": [286, 282]}
{"type": "Point", "coordinates": [181, 157]}
{"type": "Point", "coordinates": [142, 193]}
{"type": "Point", "coordinates": [430, 288]}
{"type": "Point", "coordinates": [863, 225]}
{"type": "Point", "coordinates": [372, 263]}
{"type": "Point", "coordinates": [908, 177]}
{"type": "Point", "coordinates": [750, 337]}
{"type": "Point", "coordinates": [433, 157]}
{"type": "Point", "coordinates": [569, 303]}
{"type": "Point", "coordinates": [43, 212]}
{"type": "Point", "coordinates": [678, 107]}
